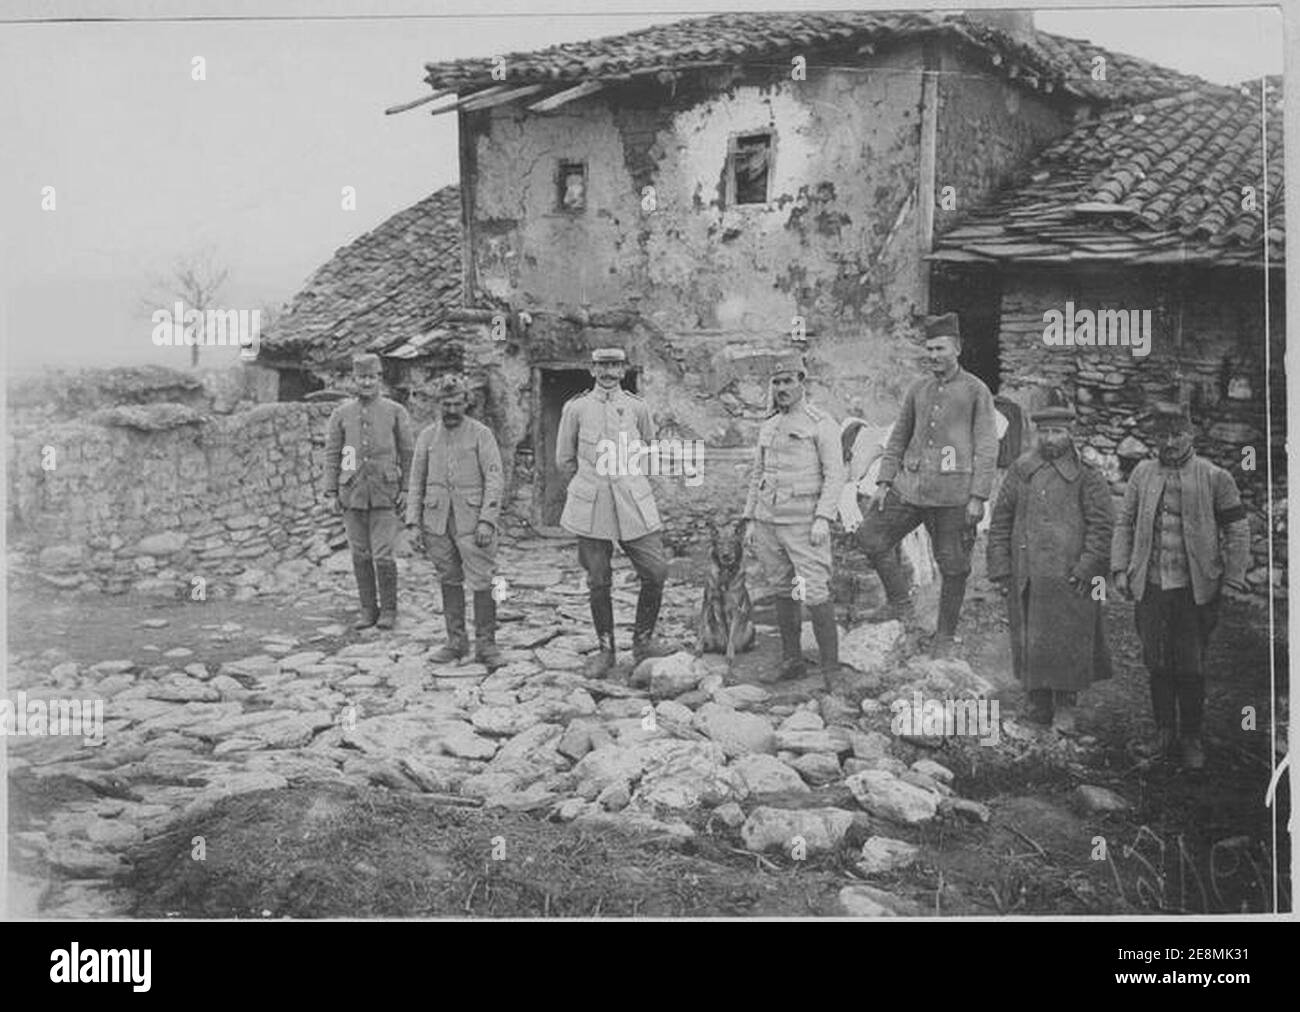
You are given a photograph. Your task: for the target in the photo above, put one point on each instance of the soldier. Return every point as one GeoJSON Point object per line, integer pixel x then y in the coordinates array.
{"type": "Point", "coordinates": [367, 455]}
{"type": "Point", "coordinates": [1048, 550]}
{"type": "Point", "coordinates": [454, 503]}
{"type": "Point", "coordinates": [793, 494]}
{"type": "Point", "coordinates": [1182, 535]}
{"type": "Point", "coordinates": [937, 469]}
{"type": "Point", "coordinates": [601, 508]}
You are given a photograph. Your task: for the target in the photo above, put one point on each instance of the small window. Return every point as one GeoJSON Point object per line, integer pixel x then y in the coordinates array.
{"type": "Point", "coordinates": [749, 168]}
{"type": "Point", "coordinates": [571, 187]}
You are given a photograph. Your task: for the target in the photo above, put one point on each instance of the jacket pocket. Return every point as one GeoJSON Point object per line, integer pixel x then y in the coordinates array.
{"type": "Point", "coordinates": [644, 498]}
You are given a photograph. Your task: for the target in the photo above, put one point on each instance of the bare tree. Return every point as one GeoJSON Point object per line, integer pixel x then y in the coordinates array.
{"type": "Point", "coordinates": [195, 281]}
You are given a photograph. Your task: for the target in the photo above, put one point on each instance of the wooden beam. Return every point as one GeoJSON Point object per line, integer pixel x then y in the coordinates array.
{"type": "Point", "coordinates": [476, 103]}
{"type": "Point", "coordinates": [568, 95]}
{"type": "Point", "coordinates": [456, 106]}
{"type": "Point", "coordinates": [391, 110]}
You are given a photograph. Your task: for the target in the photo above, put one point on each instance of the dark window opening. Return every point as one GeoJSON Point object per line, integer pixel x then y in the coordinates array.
{"type": "Point", "coordinates": [749, 164]}
{"type": "Point", "coordinates": [571, 187]}
{"type": "Point", "coordinates": [296, 384]}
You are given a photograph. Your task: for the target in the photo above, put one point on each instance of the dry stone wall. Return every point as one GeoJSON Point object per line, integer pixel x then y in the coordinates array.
{"type": "Point", "coordinates": [162, 499]}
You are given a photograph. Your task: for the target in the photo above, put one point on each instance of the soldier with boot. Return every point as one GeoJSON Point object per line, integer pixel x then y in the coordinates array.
{"type": "Point", "coordinates": [794, 491]}
{"type": "Point", "coordinates": [1182, 535]}
{"type": "Point", "coordinates": [602, 507]}
{"type": "Point", "coordinates": [367, 455]}
{"type": "Point", "coordinates": [937, 469]}
{"type": "Point", "coordinates": [454, 503]}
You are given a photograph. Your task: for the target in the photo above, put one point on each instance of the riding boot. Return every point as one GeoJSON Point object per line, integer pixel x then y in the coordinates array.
{"type": "Point", "coordinates": [789, 624]}
{"type": "Point", "coordinates": [485, 630]}
{"type": "Point", "coordinates": [453, 613]}
{"type": "Point", "coordinates": [899, 604]}
{"type": "Point", "coordinates": [828, 640]}
{"type": "Point", "coordinates": [647, 615]}
{"type": "Point", "coordinates": [386, 574]}
{"type": "Point", "coordinates": [602, 617]}
{"type": "Point", "coordinates": [364, 571]}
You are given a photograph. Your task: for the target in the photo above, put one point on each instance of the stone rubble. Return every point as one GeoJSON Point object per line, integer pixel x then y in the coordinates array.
{"type": "Point", "coordinates": [644, 752]}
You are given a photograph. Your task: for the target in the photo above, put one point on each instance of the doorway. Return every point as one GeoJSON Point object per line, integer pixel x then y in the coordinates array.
{"type": "Point", "coordinates": [974, 293]}
{"type": "Point", "coordinates": [552, 387]}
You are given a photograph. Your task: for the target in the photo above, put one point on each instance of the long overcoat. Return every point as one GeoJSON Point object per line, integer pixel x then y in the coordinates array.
{"type": "Point", "coordinates": [1053, 520]}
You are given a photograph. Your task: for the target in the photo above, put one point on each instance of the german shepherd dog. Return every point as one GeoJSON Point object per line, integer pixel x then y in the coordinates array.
{"type": "Point", "coordinates": [726, 623]}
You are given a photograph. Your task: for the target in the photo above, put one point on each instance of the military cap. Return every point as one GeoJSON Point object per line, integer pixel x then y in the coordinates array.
{"type": "Point", "coordinates": [1168, 415]}
{"type": "Point", "coordinates": [367, 362]}
{"type": "Point", "coordinates": [946, 325]}
{"type": "Point", "coordinates": [788, 361]}
{"type": "Point", "coordinates": [1055, 414]}
{"type": "Point", "coordinates": [452, 384]}
{"type": "Point", "coordinates": [608, 355]}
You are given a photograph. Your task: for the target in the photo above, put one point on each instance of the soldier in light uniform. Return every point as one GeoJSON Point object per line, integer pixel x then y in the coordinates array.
{"type": "Point", "coordinates": [601, 508]}
{"type": "Point", "coordinates": [367, 455]}
{"type": "Point", "coordinates": [454, 503]}
{"type": "Point", "coordinates": [793, 494]}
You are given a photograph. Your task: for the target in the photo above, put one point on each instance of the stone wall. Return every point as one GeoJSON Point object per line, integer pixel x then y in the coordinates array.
{"type": "Point", "coordinates": [1207, 349]}
{"type": "Point", "coordinates": [162, 499]}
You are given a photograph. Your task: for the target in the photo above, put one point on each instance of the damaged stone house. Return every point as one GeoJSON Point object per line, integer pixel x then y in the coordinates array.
{"type": "Point", "coordinates": [710, 192]}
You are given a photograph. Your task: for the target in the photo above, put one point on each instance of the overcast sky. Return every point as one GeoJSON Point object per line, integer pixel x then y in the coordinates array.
{"type": "Point", "coordinates": [148, 164]}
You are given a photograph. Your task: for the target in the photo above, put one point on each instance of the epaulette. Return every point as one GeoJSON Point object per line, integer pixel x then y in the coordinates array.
{"type": "Point", "coordinates": [815, 413]}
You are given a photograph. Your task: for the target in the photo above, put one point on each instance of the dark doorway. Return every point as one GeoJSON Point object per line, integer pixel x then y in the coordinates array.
{"type": "Point", "coordinates": [552, 387]}
{"type": "Point", "coordinates": [295, 384]}
{"type": "Point", "coordinates": [974, 293]}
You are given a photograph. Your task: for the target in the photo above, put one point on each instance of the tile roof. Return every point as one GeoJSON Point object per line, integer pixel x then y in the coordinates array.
{"type": "Point", "coordinates": [392, 286]}
{"type": "Point", "coordinates": [1159, 182]}
{"type": "Point", "coordinates": [1048, 61]}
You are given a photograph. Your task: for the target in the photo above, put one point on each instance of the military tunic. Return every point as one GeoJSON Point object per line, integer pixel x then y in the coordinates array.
{"type": "Point", "coordinates": [367, 456]}
{"type": "Point", "coordinates": [456, 484]}
{"type": "Point", "coordinates": [944, 446]}
{"type": "Point", "coordinates": [602, 503]}
{"type": "Point", "coordinates": [798, 475]}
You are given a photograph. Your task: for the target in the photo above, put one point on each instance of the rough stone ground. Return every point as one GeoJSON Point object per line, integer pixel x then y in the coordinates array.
{"type": "Point", "coordinates": [261, 760]}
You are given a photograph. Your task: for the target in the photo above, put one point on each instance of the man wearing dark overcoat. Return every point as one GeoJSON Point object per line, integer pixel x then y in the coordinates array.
{"type": "Point", "coordinates": [1048, 551]}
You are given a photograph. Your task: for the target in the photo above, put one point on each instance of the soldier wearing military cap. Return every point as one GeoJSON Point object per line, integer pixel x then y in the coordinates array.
{"type": "Point", "coordinates": [601, 508]}
{"type": "Point", "coordinates": [794, 490]}
{"type": "Point", "coordinates": [367, 455]}
{"type": "Point", "coordinates": [1048, 549]}
{"type": "Point", "coordinates": [1182, 536]}
{"type": "Point", "coordinates": [937, 469]}
{"type": "Point", "coordinates": [454, 503]}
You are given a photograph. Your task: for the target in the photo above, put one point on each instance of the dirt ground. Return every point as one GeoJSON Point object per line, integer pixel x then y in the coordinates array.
{"type": "Point", "coordinates": [1190, 843]}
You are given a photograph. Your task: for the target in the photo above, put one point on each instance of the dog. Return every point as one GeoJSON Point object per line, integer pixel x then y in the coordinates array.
{"type": "Point", "coordinates": [726, 615]}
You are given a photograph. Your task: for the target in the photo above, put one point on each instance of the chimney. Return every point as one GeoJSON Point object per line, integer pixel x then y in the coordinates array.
{"type": "Point", "coordinates": [1019, 24]}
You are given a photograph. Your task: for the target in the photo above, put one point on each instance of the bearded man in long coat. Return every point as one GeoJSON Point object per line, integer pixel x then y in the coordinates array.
{"type": "Point", "coordinates": [1048, 553]}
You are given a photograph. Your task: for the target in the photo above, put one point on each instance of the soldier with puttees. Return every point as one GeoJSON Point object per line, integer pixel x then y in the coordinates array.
{"type": "Point", "coordinates": [602, 507]}
{"type": "Point", "coordinates": [367, 454]}
{"type": "Point", "coordinates": [454, 504]}
{"type": "Point", "coordinates": [793, 494]}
